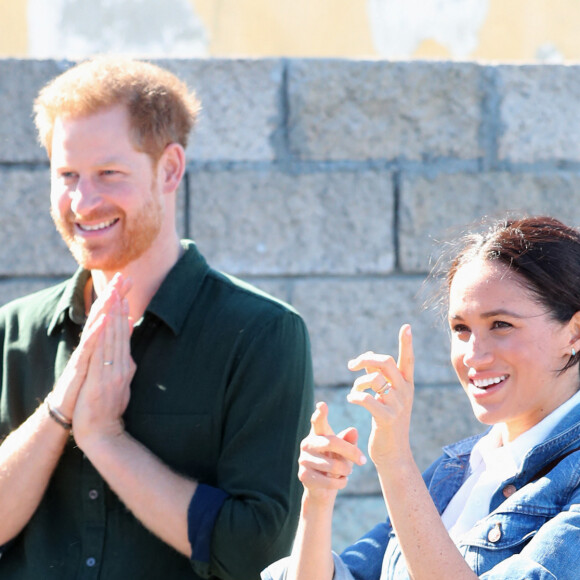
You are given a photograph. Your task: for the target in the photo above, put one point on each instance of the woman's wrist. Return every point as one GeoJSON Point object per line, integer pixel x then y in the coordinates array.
{"type": "Point", "coordinates": [318, 503]}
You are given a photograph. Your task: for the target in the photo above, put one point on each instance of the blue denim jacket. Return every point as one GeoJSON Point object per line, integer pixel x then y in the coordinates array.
{"type": "Point", "coordinates": [532, 532]}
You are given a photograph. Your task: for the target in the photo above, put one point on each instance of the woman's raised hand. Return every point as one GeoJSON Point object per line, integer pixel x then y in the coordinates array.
{"type": "Point", "coordinates": [391, 402]}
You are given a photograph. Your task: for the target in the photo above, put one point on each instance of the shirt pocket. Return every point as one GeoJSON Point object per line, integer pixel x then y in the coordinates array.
{"type": "Point", "coordinates": [182, 441]}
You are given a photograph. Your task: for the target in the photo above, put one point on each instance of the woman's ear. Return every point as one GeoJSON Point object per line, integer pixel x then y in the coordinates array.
{"type": "Point", "coordinates": [172, 167]}
{"type": "Point", "coordinates": [574, 327]}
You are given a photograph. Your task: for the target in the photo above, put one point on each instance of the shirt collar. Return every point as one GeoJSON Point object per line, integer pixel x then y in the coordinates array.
{"type": "Point", "coordinates": [489, 450]}
{"type": "Point", "coordinates": [173, 300]}
{"type": "Point", "coordinates": [72, 302]}
{"type": "Point", "coordinates": [170, 304]}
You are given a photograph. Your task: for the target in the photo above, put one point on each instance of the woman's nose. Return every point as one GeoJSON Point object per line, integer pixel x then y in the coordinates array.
{"type": "Point", "coordinates": [477, 352]}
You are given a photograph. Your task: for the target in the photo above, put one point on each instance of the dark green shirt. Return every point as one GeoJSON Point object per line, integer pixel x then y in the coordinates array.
{"type": "Point", "coordinates": [222, 393]}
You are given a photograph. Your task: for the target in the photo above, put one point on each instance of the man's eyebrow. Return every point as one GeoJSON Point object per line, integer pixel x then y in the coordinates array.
{"type": "Point", "coordinates": [113, 159]}
{"type": "Point", "coordinates": [109, 160]}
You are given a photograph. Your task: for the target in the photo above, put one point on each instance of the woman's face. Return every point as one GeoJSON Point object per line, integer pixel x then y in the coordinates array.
{"type": "Point", "coordinates": [506, 349]}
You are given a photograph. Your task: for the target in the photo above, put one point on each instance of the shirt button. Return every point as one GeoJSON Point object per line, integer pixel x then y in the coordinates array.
{"type": "Point", "coordinates": [91, 562]}
{"type": "Point", "coordinates": [93, 494]}
{"type": "Point", "coordinates": [509, 490]}
{"type": "Point", "coordinates": [494, 534]}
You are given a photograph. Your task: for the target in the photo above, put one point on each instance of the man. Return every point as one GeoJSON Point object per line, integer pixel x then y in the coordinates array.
{"type": "Point", "coordinates": [158, 437]}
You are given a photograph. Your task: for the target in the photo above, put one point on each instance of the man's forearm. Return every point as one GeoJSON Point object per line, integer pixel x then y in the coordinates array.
{"type": "Point", "coordinates": [157, 496]}
{"type": "Point", "coordinates": [28, 457]}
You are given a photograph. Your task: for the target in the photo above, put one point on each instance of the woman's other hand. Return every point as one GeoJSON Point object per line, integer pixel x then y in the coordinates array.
{"type": "Point", "coordinates": [326, 459]}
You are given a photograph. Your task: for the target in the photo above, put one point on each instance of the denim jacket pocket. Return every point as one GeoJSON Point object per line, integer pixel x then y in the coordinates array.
{"type": "Point", "coordinates": [504, 531]}
{"type": "Point", "coordinates": [498, 537]}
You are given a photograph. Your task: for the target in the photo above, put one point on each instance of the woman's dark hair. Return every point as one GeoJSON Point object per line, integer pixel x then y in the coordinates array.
{"type": "Point", "coordinates": [543, 251]}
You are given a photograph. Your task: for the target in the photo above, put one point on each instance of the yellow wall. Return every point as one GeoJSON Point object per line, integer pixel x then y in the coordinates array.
{"type": "Point", "coordinates": [514, 30]}
{"type": "Point", "coordinates": [13, 28]}
{"type": "Point", "coordinates": [280, 27]}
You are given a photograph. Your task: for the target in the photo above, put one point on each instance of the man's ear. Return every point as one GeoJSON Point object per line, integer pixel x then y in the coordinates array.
{"type": "Point", "coordinates": [171, 167]}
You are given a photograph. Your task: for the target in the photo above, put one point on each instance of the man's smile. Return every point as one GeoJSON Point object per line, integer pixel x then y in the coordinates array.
{"type": "Point", "coordinates": [96, 227]}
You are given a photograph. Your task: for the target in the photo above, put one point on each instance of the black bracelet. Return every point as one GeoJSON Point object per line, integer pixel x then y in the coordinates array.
{"type": "Point", "coordinates": [57, 416]}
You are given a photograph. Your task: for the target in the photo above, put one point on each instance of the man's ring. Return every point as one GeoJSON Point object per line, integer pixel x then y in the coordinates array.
{"type": "Point", "coordinates": [108, 363]}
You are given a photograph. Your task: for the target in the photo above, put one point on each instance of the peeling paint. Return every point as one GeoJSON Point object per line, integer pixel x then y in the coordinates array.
{"type": "Point", "coordinates": [76, 29]}
{"type": "Point", "coordinates": [548, 53]}
{"type": "Point", "coordinates": [400, 26]}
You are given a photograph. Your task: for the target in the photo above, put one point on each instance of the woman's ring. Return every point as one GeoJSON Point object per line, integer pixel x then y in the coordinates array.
{"type": "Point", "coordinates": [108, 363]}
{"type": "Point", "coordinates": [385, 388]}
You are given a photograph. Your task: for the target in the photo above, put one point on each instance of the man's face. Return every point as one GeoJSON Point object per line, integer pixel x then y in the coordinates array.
{"type": "Point", "coordinates": [105, 198]}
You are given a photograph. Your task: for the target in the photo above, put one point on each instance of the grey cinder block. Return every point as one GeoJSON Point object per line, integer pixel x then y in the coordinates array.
{"type": "Point", "coordinates": [241, 107]}
{"type": "Point", "coordinates": [438, 208]}
{"type": "Point", "coordinates": [271, 222]}
{"type": "Point", "coordinates": [20, 81]}
{"type": "Point", "coordinates": [349, 317]}
{"type": "Point", "coordinates": [18, 287]}
{"type": "Point", "coordinates": [539, 115]}
{"type": "Point", "coordinates": [362, 110]}
{"type": "Point", "coordinates": [29, 242]}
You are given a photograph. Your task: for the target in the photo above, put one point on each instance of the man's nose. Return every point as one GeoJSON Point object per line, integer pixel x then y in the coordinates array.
{"type": "Point", "coordinates": [85, 196]}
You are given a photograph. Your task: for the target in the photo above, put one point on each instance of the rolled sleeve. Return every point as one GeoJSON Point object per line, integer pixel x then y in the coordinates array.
{"type": "Point", "coordinates": [201, 515]}
{"type": "Point", "coordinates": [365, 557]}
{"type": "Point", "coordinates": [278, 570]}
{"type": "Point", "coordinates": [266, 414]}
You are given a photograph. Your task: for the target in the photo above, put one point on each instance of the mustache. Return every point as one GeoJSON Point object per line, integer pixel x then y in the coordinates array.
{"type": "Point", "coordinates": [101, 214]}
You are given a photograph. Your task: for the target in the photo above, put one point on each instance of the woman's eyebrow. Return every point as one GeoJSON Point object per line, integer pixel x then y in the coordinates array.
{"type": "Point", "coordinates": [497, 312]}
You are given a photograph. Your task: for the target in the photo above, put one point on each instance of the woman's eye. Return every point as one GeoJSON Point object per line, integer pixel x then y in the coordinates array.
{"type": "Point", "coordinates": [460, 328]}
{"type": "Point", "coordinates": [501, 324]}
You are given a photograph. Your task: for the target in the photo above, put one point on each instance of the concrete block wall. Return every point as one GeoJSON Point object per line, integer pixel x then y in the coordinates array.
{"type": "Point", "coordinates": [330, 184]}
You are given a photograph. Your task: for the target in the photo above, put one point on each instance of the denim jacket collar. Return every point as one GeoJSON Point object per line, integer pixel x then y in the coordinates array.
{"type": "Point", "coordinates": [564, 437]}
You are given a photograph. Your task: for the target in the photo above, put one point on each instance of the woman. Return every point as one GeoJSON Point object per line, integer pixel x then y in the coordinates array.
{"type": "Point", "coordinates": [502, 505]}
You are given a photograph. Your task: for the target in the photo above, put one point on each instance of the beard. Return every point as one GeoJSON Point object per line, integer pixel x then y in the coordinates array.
{"type": "Point", "coordinates": [137, 234]}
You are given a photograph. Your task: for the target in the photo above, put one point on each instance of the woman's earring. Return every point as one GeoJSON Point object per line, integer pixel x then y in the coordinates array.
{"type": "Point", "coordinates": [573, 352]}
